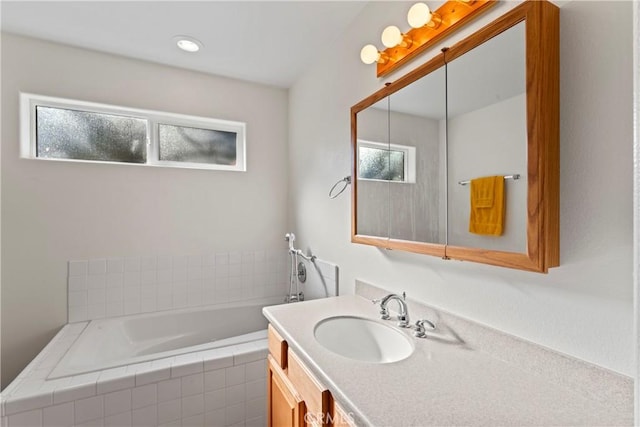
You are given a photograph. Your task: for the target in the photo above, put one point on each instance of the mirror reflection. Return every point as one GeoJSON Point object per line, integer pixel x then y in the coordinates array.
{"type": "Point", "coordinates": [487, 136]}
{"type": "Point", "coordinates": [401, 157]}
{"type": "Point", "coordinates": [375, 170]}
{"type": "Point", "coordinates": [417, 122]}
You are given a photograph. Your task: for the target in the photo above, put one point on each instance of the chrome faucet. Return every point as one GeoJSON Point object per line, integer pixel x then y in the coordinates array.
{"type": "Point", "coordinates": [403, 316]}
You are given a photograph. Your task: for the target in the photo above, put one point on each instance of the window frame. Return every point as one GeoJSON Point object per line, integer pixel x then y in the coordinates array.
{"type": "Point", "coordinates": [409, 160]}
{"type": "Point", "coordinates": [28, 132]}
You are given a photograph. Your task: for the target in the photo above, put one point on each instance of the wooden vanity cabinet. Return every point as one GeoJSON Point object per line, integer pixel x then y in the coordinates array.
{"type": "Point", "coordinates": [277, 347]}
{"type": "Point", "coordinates": [286, 407]}
{"type": "Point", "coordinates": [316, 397]}
{"type": "Point", "coordinates": [294, 396]}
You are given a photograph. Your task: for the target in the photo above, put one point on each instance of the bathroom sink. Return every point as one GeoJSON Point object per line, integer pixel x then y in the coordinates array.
{"type": "Point", "coordinates": [363, 339]}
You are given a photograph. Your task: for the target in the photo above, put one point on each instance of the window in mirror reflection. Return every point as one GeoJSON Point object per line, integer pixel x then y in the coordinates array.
{"type": "Point", "coordinates": [386, 162]}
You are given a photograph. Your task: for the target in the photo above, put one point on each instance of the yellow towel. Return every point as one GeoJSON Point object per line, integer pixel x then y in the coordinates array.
{"type": "Point", "coordinates": [487, 206]}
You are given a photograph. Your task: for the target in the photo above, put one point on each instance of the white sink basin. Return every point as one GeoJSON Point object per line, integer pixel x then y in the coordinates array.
{"type": "Point", "coordinates": [363, 339]}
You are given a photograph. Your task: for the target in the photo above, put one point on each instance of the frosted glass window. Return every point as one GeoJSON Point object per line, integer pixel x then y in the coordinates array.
{"type": "Point", "coordinates": [381, 164]}
{"type": "Point", "coordinates": [82, 135]}
{"type": "Point", "coordinates": [195, 145]}
{"type": "Point", "coordinates": [72, 130]}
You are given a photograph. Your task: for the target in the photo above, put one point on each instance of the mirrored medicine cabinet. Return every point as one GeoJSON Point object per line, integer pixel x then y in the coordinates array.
{"type": "Point", "coordinates": [487, 106]}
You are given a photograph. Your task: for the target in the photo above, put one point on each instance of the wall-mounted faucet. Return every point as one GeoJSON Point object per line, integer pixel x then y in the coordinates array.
{"type": "Point", "coordinates": [298, 271]}
{"type": "Point", "coordinates": [403, 316]}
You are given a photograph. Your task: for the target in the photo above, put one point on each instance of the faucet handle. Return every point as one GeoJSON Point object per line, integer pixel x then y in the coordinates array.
{"type": "Point", "coordinates": [384, 314]}
{"type": "Point", "coordinates": [420, 327]}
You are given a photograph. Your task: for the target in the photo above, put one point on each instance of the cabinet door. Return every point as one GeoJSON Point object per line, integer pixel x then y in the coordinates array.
{"type": "Point", "coordinates": [316, 397]}
{"type": "Point", "coordinates": [277, 347]}
{"type": "Point", "coordinates": [285, 406]}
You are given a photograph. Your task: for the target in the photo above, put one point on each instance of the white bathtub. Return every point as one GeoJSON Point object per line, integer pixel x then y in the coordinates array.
{"type": "Point", "coordinates": [120, 341]}
{"type": "Point", "coordinates": [198, 366]}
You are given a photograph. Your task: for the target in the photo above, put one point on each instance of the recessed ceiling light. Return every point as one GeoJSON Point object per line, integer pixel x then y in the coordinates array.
{"type": "Point", "coordinates": [188, 44]}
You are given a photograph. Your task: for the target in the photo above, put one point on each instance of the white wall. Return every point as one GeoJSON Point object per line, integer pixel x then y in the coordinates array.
{"type": "Point", "coordinates": [582, 308]}
{"type": "Point", "coordinates": [636, 194]}
{"type": "Point", "coordinates": [1, 127]}
{"type": "Point", "coordinates": [53, 212]}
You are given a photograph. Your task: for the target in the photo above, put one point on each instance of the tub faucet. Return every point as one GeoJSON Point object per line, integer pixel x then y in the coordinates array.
{"type": "Point", "coordinates": [403, 316]}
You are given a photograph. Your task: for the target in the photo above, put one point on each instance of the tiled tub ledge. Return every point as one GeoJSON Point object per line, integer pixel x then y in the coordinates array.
{"type": "Point", "coordinates": [221, 387]}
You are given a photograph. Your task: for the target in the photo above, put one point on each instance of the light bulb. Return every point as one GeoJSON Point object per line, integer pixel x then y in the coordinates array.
{"type": "Point", "coordinates": [369, 54]}
{"type": "Point", "coordinates": [419, 15]}
{"type": "Point", "coordinates": [391, 36]}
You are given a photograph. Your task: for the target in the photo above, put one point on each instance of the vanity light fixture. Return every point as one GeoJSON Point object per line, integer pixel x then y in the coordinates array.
{"type": "Point", "coordinates": [427, 28]}
{"type": "Point", "coordinates": [188, 44]}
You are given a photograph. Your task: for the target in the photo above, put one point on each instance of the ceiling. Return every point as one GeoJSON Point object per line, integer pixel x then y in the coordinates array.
{"type": "Point", "coordinates": [269, 42]}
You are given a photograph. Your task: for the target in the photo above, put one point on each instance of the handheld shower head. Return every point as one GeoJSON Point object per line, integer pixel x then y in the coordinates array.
{"type": "Point", "coordinates": [290, 237]}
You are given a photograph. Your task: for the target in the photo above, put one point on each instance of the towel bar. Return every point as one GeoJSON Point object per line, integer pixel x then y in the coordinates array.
{"type": "Point", "coordinates": [514, 177]}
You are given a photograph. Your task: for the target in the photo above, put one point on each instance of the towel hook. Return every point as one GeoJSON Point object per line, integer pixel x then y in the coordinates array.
{"type": "Point", "coordinates": [346, 180]}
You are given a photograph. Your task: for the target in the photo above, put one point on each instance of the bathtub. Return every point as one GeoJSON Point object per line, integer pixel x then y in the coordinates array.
{"type": "Point", "coordinates": [197, 366]}
{"type": "Point", "coordinates": [120, 341]}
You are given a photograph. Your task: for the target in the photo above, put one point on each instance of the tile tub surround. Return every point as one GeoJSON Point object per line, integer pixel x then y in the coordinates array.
{"type": "Point", "coordinates": [464, 374]}
{"type": "Point", "coordinates": [108, 287]}
{"type": "Point", "coordinates": [218, 387]}
{"type": "Point", "coordinates": [322, 279]}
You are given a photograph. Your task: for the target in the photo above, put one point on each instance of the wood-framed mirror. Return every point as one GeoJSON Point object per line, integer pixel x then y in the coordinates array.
{"type": "Point", "coordinates": [489, 105]}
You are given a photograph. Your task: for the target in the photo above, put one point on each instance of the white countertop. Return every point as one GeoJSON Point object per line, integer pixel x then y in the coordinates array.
{"type": "Point", "coordinates": [443, 382]}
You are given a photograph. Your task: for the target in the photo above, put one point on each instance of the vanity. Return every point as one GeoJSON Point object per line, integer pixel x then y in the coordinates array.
{"type": "Point", "coordinates": [462, 374]}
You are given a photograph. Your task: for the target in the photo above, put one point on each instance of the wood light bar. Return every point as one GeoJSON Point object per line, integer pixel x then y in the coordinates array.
{"type": "Point", "coordinates": [453, 14]}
